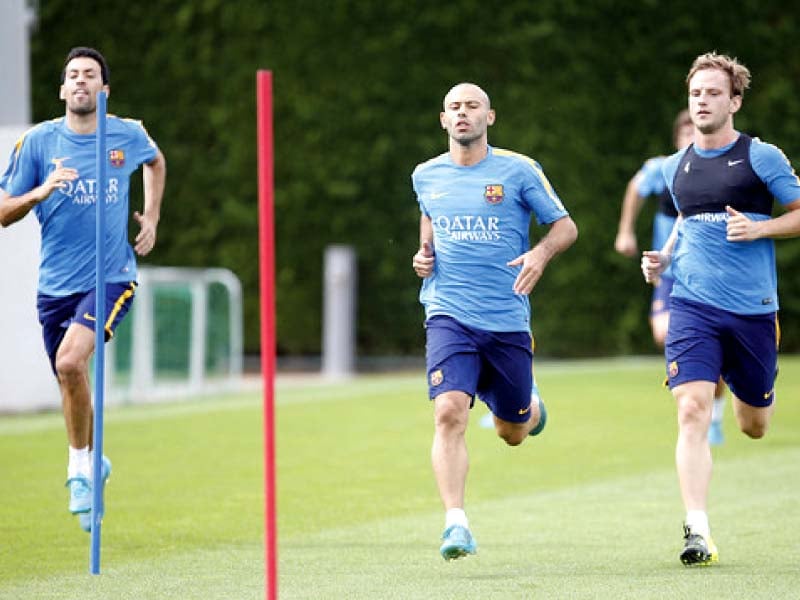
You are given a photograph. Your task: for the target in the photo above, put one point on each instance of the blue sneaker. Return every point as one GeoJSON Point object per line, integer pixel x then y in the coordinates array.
{"type": "Point", "coordinates": [487, 421]}
{"type": "Point", "coordinates": [542, 417]}
{"type": "Point", "coordinates": [457, 541]}
{"type": "Point", "coordinates": [81, 494]}
{"type": "Point", "coordinates": [715, 435]}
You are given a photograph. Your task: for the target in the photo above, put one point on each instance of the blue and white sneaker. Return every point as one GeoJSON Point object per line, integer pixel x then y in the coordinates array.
{"type": "Point", "coordinates": [457, 541]}
{"type": "Point", "coordinates": [715, 435]}
{"type": "Point", "coordinates": [81, 494]}
{"type": "Point", "coordinates": [542, 417]}
{"type": "Point", "coordinates": [487, 421]}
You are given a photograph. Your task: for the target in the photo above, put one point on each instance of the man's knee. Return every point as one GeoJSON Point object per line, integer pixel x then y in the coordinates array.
{"type": "Point", "coordinates": [511, 435]}
{"type": "Point", "coordinates": [69, 364]}
{"type": "Point", "coordinates": [752, 421]}
{"type": "Point", "coordinates": [692, 410]}
{"type": "Point", "coordinates": [451, 411]}
{"type": "Point", "coordinates": [754, 430]}
{"type": "Point", "coordinates": [514, 439]}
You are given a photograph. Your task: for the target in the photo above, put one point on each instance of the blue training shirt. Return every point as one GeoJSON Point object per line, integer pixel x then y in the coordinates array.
{"type": "Point", "coordinates": [739, 277]}
{"type": "Point", "coordinates": [481, 217]}
{"type": "Point", "coordinates": [650, 183]}
{"type": "Point", "coordinates": [67, 216]}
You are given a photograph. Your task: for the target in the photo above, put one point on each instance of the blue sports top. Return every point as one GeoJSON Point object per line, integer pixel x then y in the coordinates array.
{"type": "Point", "coordinates": [67, 216]}
{"type": "Point", "coordinates": [650, 182]}
{"type": "Point", "coordinates": [481, 216]}
{"type": "Point", "coordinates": [739, 277]}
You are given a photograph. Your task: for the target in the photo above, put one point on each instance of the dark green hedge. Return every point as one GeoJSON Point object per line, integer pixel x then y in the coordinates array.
{"type": "Point", "coordinates": [587, 88]}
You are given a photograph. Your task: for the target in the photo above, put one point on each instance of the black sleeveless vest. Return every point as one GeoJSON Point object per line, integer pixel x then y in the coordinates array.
{"type": "Point", "coordinates": [665, 204]}
{"type": "Point", "coordinates": [707, 185]}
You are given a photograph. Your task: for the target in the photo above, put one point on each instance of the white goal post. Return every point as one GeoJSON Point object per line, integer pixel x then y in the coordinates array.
{"type": "Point", "coordinates": [163, 332]}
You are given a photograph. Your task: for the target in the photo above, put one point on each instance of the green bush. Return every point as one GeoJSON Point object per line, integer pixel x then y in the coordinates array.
{"type": "Point", "coordinates": [589, 89]}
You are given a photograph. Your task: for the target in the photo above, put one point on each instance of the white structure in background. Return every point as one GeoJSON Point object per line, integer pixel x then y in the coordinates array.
{"type": "Point", "coordinates": [26, 381]}
{"type": "Point", "coordinates": [15, 101]}
{"type": "Point", "coordinates": [339, 314]}
{"type": "Point", "coordinates": [143, 381]}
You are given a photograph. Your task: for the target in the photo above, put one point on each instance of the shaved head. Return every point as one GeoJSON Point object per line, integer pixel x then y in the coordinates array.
{"type": "Point", "coordinates": [469, 90]}
{"type": "Point", "coordinates": [465, 116]}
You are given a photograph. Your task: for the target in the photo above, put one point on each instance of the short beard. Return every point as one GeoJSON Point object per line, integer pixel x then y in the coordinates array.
{"type": "Point", "coordinates": [82, 111]}
{"type": "Point", "coordinates": [466, 141]}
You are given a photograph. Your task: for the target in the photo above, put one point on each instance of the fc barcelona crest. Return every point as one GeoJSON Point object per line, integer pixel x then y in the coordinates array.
{"type": "Point", "coordinates": [116, 157]}
{"type": "Point", "coordinates": [673, 368]}
{"type": "Point", "coordinates": [437, 377]}
{"type": "Point", "coordinates": [493, 193]}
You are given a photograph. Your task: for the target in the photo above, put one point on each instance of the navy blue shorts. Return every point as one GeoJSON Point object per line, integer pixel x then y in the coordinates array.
{"type": "Point", "coordinates": [496, 366]}
{"type": "Point", "coordinates": [704, 342]}
{"type": "Point", "coordinates": [660, 300]}
{"type": "Point", "coordinates": [57, 313]}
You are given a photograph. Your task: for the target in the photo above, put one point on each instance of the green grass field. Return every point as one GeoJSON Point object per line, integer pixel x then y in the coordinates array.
{"type": "Point", "coordinates": [590, 509]}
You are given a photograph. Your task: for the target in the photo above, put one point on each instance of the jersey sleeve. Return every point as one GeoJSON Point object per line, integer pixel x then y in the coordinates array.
{"type": "Point", "coordinates": [774, 169]}
{"type": "Point", "coordinates": [143, 146]}
{"type": "Point", "coordinates": [539, 194]}
{"type": "Point", "coordinates": [650, 180]}
{"type": "Point", "coordinates": [415, 184]}
{"type": "Point", "coordinates": [21, 174]}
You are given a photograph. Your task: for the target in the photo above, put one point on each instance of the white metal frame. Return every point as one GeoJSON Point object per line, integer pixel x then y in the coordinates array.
{"type": "Point", "coordinates": [143, 384]}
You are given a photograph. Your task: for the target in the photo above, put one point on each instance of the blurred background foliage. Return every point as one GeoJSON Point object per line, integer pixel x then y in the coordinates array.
{"type": "Point", "coordinates": [589, 89]}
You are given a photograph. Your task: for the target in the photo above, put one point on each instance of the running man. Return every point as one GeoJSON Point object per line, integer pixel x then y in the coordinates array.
{"type": "Point", "coordinates": [52, 173]}
{"type": "Point", "coordinates": [724, 301]}
{"type": "Point", "coordinates": [649, 182]}
{"type": "Point", "coordinates": [478, 268]}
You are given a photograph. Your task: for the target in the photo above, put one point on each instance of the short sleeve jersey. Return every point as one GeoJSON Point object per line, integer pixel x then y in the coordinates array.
{"type": "Point", "coordinates": [739, 277]}
{"type": "Point", "coordinates": [650, 183]}
{"type": "Point", "coordinates": [67, 217]}
{"type": "Point", "coordinates": [649, 179]}
{"type": "Point", "coordinates": [481, 216]}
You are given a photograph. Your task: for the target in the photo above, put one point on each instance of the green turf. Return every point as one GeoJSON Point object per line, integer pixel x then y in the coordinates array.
{"type": "Point", "coordinates": [589, 510]}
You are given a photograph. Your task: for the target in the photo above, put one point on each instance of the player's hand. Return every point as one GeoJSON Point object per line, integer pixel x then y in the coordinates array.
{"type": "Point", "coordinates": [740, 228]}
{"type": "Point", "coordinates": [529, 275]}
{"type": "Point", "coordinates": [423, 260]}
{"type": "Point", "coordinates": [56, 180]}
{"type": "Point", "coordinates": [653, 264]}
{"type": "Point", "coordinates": [146, 239]}
{"type": "Point", "coordinates": [626, 244]}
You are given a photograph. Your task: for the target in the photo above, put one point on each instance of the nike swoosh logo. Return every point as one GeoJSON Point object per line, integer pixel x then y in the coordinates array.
{"type": "Point", "coordinates": [88, 317]}
{"type": "Point", "coordinates": [735, 162]}
{"type": "Point", "coordinates": [437, 195]}
{"type": "Point", "coordinates": [522, 411]}
{"type": "Point", "coordinates": [58, 162]}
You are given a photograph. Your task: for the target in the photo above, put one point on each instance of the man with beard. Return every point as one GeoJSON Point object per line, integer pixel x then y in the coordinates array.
{"type": "Point", "coordinates": [724, 302]}
{"type": "Point", "coordinates": [477, 266]}
{"type": "Point", "coordinates": [52, 172]}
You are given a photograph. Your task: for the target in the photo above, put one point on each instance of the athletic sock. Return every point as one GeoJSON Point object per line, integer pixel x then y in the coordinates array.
{"type": "Point", "coordinates": [455, 516]}
{"type": "Point", "coordinates": [80, 463]}
{"type": "Point", "coordinates": [697, 521]}
{"type": "Point", "coordinates": [717, 409]}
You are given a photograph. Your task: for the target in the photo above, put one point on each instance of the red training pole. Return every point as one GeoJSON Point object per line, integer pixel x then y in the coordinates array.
{"type": "Point", "coordinates": [266, 238]}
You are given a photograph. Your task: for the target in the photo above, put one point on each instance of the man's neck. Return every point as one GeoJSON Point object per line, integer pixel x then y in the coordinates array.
{"type": "Point", "coordinates": [716, 139]}
{"type": "Point", "coordinates": [82, 124]}
{"type": "Point", "coordinates": [468, 155]}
